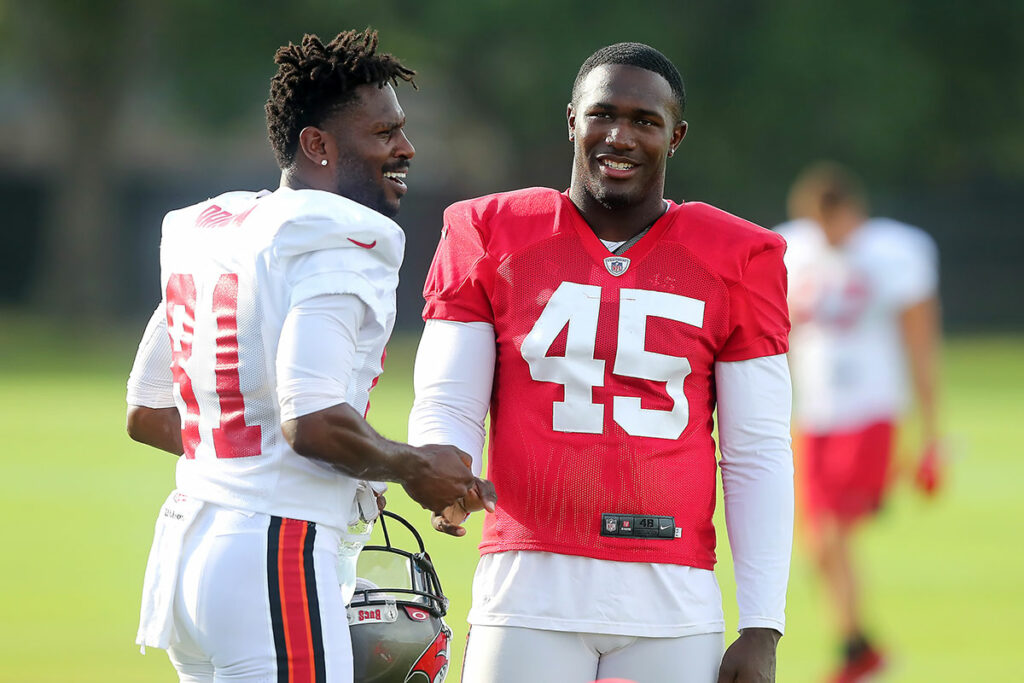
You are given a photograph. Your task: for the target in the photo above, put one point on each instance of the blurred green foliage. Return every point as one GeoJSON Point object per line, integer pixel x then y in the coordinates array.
{"type": "Point", "coordinates": [923, 97]}
{"type": "Point", "coordinates": [929, 88]}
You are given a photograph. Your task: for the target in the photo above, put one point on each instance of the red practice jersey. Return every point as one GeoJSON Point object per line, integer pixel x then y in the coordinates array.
{"type": "Point", "coordinates": [604, 383]}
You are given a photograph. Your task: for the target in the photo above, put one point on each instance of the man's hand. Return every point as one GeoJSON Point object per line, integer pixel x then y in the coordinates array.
{"type": "Point", "coordinates": [481, 496]}
{"type": "Point", "coordinates": [751, 658]}
{"type": "Point", "coordinates": [441, 478]}
{"type": "Point", "coordinates": [929, 472]}
{"type": "Point", "coordinates": [435, 476]}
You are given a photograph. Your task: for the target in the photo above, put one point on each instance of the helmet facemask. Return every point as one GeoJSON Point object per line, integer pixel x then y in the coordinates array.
{"type": "Point", "coordinates": [396, 614]}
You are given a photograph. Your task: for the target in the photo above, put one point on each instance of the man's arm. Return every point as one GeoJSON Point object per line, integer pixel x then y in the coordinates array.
{"type": "Point", "coordinates": [314, 367]}
{"type": "Point", "coordinates": [453, 379]}
{"type": "Point", "coordinates": [920, 323]}
{"type": "Point", "coordinates": [921, 327]}
{"type": "Point", "coordinates": [754, 404]}
{"type": "Point", "coordinates": [156, 427]}
{"type": "Point", "coordinates": [152, 418]}
{"type": "Point", "coordinates": [434, 476]}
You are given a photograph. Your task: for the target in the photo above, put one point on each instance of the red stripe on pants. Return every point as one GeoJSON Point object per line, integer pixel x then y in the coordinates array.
{"type": "Point", "coordinates": [291, 573]}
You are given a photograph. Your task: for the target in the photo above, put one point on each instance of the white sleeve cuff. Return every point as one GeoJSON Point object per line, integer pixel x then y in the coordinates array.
{"type": "Point", "coordinates": [151, 383]}
{"type": "Point", "coordinates": [762, 622]}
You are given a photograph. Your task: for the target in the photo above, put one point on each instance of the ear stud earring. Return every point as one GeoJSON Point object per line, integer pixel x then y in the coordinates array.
{"type": "Point", "coordinates": [323, 162]}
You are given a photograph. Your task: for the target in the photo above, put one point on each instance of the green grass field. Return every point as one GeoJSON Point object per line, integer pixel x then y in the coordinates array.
{"type": "Point", "coordinates": [78, 500]}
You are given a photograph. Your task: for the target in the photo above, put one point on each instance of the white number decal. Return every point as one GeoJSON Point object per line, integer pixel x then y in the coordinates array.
{"type": "Point", "coordinates": [577, 306]}
{"type": "Point", "coordinates": [579, 372]}
{"type": "Point", "coordinates": [633, 360]}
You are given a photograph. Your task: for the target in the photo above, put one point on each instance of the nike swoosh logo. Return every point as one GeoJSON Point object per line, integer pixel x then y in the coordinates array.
{"type": "Point", "coordinates": [371, 245]}
{"type": "Point", "coordinates": [665, 526]}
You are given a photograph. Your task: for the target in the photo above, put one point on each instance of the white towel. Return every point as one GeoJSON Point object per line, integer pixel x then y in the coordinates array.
{"type": "Point", "coordinates": [158, 589]}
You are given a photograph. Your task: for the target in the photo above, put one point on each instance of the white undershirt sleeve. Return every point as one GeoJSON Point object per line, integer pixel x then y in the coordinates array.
{"type": "Point", "coordinates": [453, 377]}
{"type": "Point", "coordinates": [150, 383]}
{"type": "Point", "coordinates": [315, 353]}
{"type": "Point", "coordinates": [754, 405]}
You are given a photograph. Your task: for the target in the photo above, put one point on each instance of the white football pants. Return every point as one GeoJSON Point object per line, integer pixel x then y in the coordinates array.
{"type": "Point", "coordinates": [508, 654]}
{"type": "Point", "coordinates": [257, 601]}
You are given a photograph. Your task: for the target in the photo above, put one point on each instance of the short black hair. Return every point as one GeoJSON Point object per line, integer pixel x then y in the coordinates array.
{"type": "Point", "coordinates": [639, 55]}
{"type": "Point", "coordinates": [314, 80]}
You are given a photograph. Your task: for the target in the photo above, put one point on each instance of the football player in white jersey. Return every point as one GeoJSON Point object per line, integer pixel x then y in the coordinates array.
{"type": "Point", "coordinates": [864, 305]}
{"type": "Point", "coordinates": [256, 369]}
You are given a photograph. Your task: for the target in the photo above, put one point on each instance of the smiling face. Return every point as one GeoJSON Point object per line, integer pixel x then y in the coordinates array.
{"type": "Point", "coordinates": [623, 123]}
{"type": "Point", "coordinates": [371, 152]}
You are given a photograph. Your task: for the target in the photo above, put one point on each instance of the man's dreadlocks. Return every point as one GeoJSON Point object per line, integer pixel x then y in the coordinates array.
{"type": "Point", "coordinates": [314, 80]}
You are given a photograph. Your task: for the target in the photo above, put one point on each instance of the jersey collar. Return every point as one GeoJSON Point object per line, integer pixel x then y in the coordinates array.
{"type": "Point", "coordinates": [634, 253]}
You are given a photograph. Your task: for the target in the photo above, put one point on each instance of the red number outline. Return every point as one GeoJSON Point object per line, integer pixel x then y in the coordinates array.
{"type": "Point", "coordinates": [233, 438]}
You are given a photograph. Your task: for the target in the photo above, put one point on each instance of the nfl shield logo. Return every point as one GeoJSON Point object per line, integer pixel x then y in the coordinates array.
{"type": "Point", "coordinates": [616, 265]}
{"type": "Point", "coordinates": [611, 524]}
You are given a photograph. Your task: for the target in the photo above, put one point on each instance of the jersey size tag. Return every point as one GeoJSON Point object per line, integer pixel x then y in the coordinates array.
{"type": "Point", "coordinates": [639, 526]}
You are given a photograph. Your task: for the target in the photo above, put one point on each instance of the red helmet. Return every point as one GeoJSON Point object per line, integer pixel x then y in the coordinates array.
{"type": "Point", "coordinates": [396, 614]}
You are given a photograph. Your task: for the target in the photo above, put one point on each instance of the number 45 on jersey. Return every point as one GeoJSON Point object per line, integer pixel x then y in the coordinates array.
{"type": "Point", "coordinates": [578, 306]}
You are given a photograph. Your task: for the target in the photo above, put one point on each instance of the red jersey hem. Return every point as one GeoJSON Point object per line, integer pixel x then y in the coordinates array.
{"type": "Point", "coordinates": [767, 346]}
{"type": "Point", "coordinates": [435, 310]}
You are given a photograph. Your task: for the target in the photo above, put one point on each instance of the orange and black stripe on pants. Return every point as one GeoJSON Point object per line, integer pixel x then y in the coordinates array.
{"type": "Point", "coordinates": [294, 608]}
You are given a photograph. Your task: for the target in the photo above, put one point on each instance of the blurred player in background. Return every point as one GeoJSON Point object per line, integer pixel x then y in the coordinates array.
{"type": "Point", "coordinates": [864, 304]}
{"type": "Point", "coordinates": [601, 326]}
{"type": "Point", "coordinates": [257, 367]}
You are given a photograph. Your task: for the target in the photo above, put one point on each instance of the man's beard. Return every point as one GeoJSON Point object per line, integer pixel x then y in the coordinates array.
{"type": "Point", "coordinates": [611, 200]}
{"type": "Point", "coordinates": [370, 195]}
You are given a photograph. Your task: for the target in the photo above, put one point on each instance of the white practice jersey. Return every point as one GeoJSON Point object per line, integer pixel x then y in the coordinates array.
{"type": "Point", "coordinates": [846, 346]}
{"type": "Point", "coordinates": [231, 268]}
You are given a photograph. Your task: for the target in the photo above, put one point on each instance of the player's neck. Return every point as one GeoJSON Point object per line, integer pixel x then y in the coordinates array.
{"type": "Point", "coordinates": [295, 181]}
{"type": "Point", "coordinates": [840, 225]}
{"type": "Point", "coordinates": [620, 223]}
{"type": "Point", "coordinates": [837, 233]}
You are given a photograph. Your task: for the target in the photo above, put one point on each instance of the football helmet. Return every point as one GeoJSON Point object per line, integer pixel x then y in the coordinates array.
{"type": "Point", "coordinates": [396, 614]}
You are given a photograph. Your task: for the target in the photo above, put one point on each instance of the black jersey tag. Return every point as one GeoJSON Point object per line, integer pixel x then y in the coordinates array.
{"type": "Point", "coordinates": [639, 526]}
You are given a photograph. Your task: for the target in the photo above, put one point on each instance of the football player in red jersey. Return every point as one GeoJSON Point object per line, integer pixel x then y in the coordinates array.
{"type": "Point", "coordinates": [601, 327]}
{"type": "Point", "coordinates": [256, 368]}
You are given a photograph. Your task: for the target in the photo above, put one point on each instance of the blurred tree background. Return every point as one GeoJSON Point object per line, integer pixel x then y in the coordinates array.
{"type": "Point", "coordinates": [115, 111]}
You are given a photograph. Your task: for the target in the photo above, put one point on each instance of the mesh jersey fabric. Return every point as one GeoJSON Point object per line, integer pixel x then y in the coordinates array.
{"type": "Point", "coordinates": [231, 268]}
{"type": "Point", "coordinates": [604, 386]}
